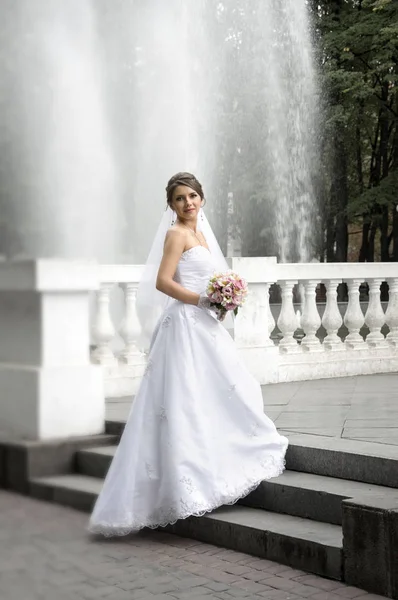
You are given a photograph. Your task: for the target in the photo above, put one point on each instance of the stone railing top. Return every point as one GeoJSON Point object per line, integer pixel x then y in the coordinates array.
{"type": "Point", "coordinates": [263, 269]}
{"type": "Point", "coordinates": [266, 270]}
{"type": "Point", "coordinates": [120, 273]}
{"type": "Point", "coordinates": [48, 275]}
{"type": "Point", "coordinates": [337, 271]}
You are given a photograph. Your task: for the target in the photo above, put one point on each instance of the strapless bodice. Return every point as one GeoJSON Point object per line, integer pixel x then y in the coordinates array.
{"type": "Point", "coordinates": [194, 269]}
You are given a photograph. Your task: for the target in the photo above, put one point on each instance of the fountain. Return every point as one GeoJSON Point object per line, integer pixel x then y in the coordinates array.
{"type": "Point", "coordinates": [292, 105]}
{"type": "Point", "coordinates": [101, 102]}
{"type": "Point", "coordinates": [58, 185]}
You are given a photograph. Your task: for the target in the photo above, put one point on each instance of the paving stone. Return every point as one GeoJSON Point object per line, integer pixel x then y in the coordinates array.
{"type": "Point", "coordinates": [253, 575]}
{"type": "Point", "coordinates": [280, 595]}
{"type": "Point", "coordinates": [223, 596]}
{"type": "Point", "coordinates": [253, 586]}
{"type": "Point", "coordinates": [238, 593]}
{"type": "Point", "coordinates": [191, 582]}
{"type": "Point", "coordinates": [275, 568]}
{"type": "Point", "coordinates": [350, 592]}
{"type": "Point", "coordinates": [326, 596]}
{"type": "Point", "coordinates": [291, 573]}
{"type": "Point", "coordinates": [139, 594]}
{"type": "Point", "coordinates": [45, 553]}
{"type": "Point", "coordinates": [327, 585]}
{"type": "Point", "coordinates": [192, 594]}
{"type": "Point", "coordinates": [371, 597]}
{"type": "Point", "coordinates": [220, 576]}
{"type": "Point", "coordinates": [217, 586]}
{"type": "Point", "coordinates": [260, 564]}
{"type": "Point", "coordinates": [290, 585]}
{"type": "Point", "coordinates": [162, 588]}
{"type": "Point", "coordinates": [235, 569]}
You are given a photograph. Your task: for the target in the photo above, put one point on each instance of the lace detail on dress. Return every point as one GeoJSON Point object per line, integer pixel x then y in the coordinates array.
{"type": "Point", "coordinates": [269, 467]}
{"type": "Point", "coordinates": [254, 430]}
{"type": "Point", "coordinates": [231, 391]}
{"type": "Point", "coordinates": [185, 255]}
{"type": "Point", "coordinates": [150, 471]}
{"type": "Point", "coordinates": [162, 414]}
{"type": "Point", "coordinates": [188, 483]}
{"type": "Point", "coordinates": [194, 316]}
{"type": "Point", "coordinates": [166, 321]}
{"type": "Point", "coordinates": [148, 367]}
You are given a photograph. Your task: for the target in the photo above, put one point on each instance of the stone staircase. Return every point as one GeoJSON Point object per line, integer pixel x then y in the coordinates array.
{"type": "Point", "coordinates": [334, 512]}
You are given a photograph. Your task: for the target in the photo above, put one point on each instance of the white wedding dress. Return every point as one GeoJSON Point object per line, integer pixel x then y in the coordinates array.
{"type": "Point", "coordinates": [196, 437]}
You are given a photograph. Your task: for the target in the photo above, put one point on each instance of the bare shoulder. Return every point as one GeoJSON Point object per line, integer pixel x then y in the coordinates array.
{"type": "Point", "coordinates": [176, 234]}
{"type": "Point", "coordinates": [175, 238]}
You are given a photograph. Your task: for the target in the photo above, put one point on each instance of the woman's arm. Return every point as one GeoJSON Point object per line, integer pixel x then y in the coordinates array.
{"type": "Point", "coordinates": [173, 248]}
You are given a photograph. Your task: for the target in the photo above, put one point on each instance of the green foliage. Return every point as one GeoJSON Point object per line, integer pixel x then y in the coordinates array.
{"type": "Point", "coordinates": [374, 198]}
{"type": "Point", "coordinates": [359, 49]}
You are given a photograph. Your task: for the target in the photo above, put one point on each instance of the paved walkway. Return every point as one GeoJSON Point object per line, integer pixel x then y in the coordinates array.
{"type": "Point", "coordinates": [46, 554]}
{"type": "Point", "coordinates": [361, 408]}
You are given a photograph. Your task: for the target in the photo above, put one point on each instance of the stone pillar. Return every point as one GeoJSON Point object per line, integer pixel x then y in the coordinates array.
{"type": "Point", "coordinates": [253, 325]}
{"type": "Point", "coordinates": [48, 387]}
{"type": "Point", "coordinates": [370, 544]}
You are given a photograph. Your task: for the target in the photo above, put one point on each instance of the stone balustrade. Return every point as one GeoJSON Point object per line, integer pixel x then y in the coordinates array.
{"type": "Point", "coordinates": [115, 329]}
{"type": "Point", "coordinates": [300, 322]}
{"type": "Point", "coordinates": [295, 339]}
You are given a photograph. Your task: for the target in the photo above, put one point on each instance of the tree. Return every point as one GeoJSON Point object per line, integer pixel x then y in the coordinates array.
{"type": "Point", "coordinates": [360, 48]}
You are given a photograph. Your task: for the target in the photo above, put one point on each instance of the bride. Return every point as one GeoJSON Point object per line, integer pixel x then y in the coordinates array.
{"type": "Point", "coordinates": [196, 437]}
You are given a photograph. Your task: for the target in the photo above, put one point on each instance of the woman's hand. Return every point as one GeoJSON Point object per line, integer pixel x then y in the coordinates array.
{"type": "Point", "coordinates": [221, 314]}
{"type": "Point", "coordinates": [204, 302]}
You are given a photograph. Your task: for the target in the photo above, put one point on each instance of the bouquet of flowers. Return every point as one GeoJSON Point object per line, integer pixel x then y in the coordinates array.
{"type": "Point", "coordinates": [226, 292]}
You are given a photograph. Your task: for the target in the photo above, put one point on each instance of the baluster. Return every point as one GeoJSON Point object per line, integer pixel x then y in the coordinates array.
{"type": "Point", "coordinates": [310, 320]}
{"type": "Point", "coordinates": [103, 329]}
{"type": "Point", "coordinates": [270, 316]}
{"type": "Point", "coordinates": [300, 311]}
{"type": "Point", "coordinates": [287, 321]}
{"type": "Point", "coordinates": [302, 299]}
{"type": "Point", "coordinates": [130, 327]}
{"type": "Point", "coordinates": [353, 318]}
{"type": "Point", "coordinates": [392, 312]}
{"type": "Point", "coordinates": [332, 319]}
{"type": "Point", "coordinates": [374, 317]}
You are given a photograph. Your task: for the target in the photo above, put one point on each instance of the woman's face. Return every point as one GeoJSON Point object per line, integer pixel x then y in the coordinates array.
{"type": "Point", "coordinates": [186, 203]}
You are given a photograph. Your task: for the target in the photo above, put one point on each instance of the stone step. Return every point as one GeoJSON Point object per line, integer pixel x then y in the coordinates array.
{"type": "Point", "coordinates": [354, 460]}
{"type": "Point", "coordinates": [301, 543]}
{"type": "Point", "coordinates": [96, 461]}
{"type": "Point", "coordinates": [75, 490]}
{"type": "Point", "coordinates": [22, 460]}
{"type": "Point", "coordinates": [114, 426]}
{"type": "Point", "coordinates": [299, 494]}
{"type": "Point", "coordinates": [313, 496]}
